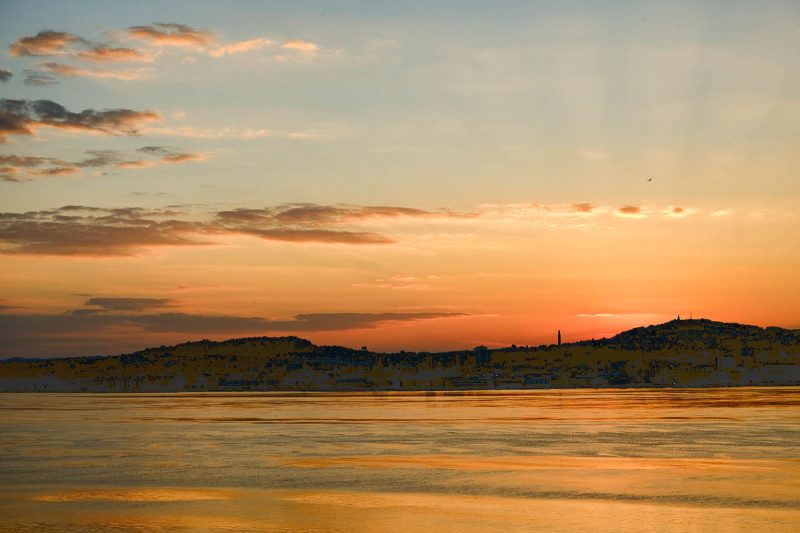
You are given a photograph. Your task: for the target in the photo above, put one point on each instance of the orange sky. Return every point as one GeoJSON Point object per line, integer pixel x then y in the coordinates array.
{"type": "Point", "coordinates": [422, 180]}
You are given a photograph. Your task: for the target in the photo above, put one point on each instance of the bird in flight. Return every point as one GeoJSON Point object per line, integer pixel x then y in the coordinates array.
{"type": "Point", "coordinates": [650, 179]}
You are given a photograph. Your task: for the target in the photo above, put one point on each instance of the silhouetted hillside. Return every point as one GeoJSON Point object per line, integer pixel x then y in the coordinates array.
{"type": "Point", "coordinates": [676, 353]}
{"type": "Point", "coordinates": [697, 334]}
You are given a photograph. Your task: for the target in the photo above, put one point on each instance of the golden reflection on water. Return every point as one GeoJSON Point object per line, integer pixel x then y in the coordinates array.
{"type": "Point", "coordinates": [134, 495]}
{"type": "Point", "coordinates": [676, 460]}
{"type": "Point", "coordinates": [297, 510]}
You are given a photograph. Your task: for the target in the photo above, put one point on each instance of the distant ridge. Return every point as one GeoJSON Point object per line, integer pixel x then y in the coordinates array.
{"type": "Point", "coordinates": [698, 330]}
{"type": "Point", "coordinates": [694, 352]}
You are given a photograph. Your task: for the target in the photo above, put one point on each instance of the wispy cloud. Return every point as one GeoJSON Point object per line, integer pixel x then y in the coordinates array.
{"type": "Point", "coordinates": [171, 155]}
{"type": "Point", "coordinates": [172, 34]}
{"type": "Point", "coordinates": [77, 230]}
{"type": "Point", "coordinates": [45, 43]}
{"type": "Point", "coordinates": [9, 174]}
{"type": "Point", "coordinates": [632, 211]}
{"type": "Point", "coordinates": [300, 45]}
{"type": "Point", "coordinates": [18, 168]}
{"type": "Point", "coordinates": [74, 230]}
{"type": "Point", "coordinates": [181, 35]}
{"type": "Point", "coordinates": [128, 303]}
{"type": "Point", "coordinates": [14, 167]}
{"type": "Point", "coordinates": [182, 157]}
{"type": "Point", "coordinates": [108, 54]}
{"type": "Point", "coordinates": [147, 40]}
{"type": "Point", "coordinates": [49, 43]}
{"type": "Point", "coordinates": [24, 117]}
{"type": "Point", "coordinates": [138, 163]}
{"type": "Point", "coordinates": [92, 231]}
{"type": "Point", "coordinates": [583, 207]}
{"type": "Point", "coordinates": [36, 78]}
{"type": "Point", "coordinates": [315, 215]}
{"type": "Point", "coordinates": [27, 161]}
{"type": "Point", "coordinates": [69, 71]}
{"type": "Point", "coordinates": [56, 171]}
{"type": "Point", "coordinates": [238, 47]}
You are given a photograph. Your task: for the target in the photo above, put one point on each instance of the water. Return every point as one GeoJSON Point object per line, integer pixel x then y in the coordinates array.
{"type": "Point", "coordinates": [566, 460]}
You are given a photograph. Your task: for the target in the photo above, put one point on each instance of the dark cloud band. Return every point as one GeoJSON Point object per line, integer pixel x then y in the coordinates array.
{"type": "Point", "coordinates": [79, 332]}
{"type": "Point", "coordinates": [77, 230]}
{"type": "Point", "coordinates": [24, 117]}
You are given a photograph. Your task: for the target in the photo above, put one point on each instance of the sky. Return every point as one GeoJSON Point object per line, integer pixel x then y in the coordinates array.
{"type": "Point", "coordinates": [397, 175]}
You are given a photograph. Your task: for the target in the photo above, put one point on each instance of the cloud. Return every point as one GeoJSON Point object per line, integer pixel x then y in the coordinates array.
{"type": "Point", "coordinates": [129, 304]}
{"type": "Point", "coordinates": [677, 212]}
{"type": "Point", "coordinates": [340, 321]}
{"type": "Point", "coordinates": [171, 34]}
{"type": "Point", "coordinates": [106, 54]}
{"type": "Point", "coordinates": [92, 231]}
{"type": "Point", "coordinates": [56, 171]}
{"type": "Point", "coordinates": [630, 211]}
{"type": "Point", "coordinates": [57, 44]}
{"type": "Point", "coordinates": [27, 160]}
{"type": "Point", "coordinates": [312, 222]}
{"type": "Point", "coordinates": [99, 158]}
{"type": "Point", "coordinates": [238, 47]}
{"type": "Point", "coordinates": [300, 45]}
{"type": "Point", "coordinates": [5, 75]}
{"type": "Point", "coordinates": [45, 43]}
{"type": "Point", "coordinates": [85, 231]}
{"type": "Point", "coordinates": [24, 117]}
{"type": "Point", "coordinates": [182, 158]}
{"type": "Point", "coordinates": [170, 155]}
{"type": "Point", "coordinates": [155, 150]}
{"type": "Point", "coordinates": [583, 207]}
{"type": "Point", "coordinates": [38, 79]}
{"type": "Point", "coordinates": [69, 71]}
{"type": "Point", "coordinates": [315, 235]}
{"type": "Point", "coordinates": [315, 215]}
{"type": "Point", "coordinates": [8, 174]}
{"type": "Point", "coordinates": [78, 230]}
{"type": "Point", "coordinates": [81, 333]}
{"type": "Point", "coordinates": [13, 167]}
{"type": "Point", "coordinates": [50, 43]}
{"type": "Point", "coordinates": [136, 164]}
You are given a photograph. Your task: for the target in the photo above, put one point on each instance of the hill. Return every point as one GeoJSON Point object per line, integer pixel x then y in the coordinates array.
{"type": "Point", "coordinates": [677, 353]}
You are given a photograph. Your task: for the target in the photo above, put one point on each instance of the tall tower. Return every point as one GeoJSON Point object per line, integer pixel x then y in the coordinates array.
{"type": "Point", "coordinates": [559, 337]}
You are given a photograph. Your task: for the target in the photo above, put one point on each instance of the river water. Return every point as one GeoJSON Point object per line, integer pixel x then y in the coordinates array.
{"type": "Point", "coordinates": [545, 460]}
